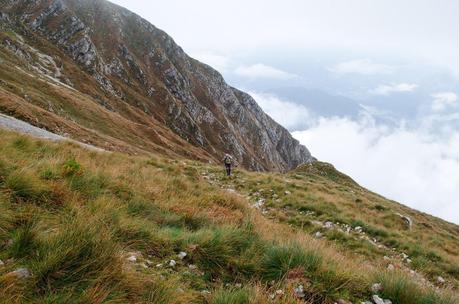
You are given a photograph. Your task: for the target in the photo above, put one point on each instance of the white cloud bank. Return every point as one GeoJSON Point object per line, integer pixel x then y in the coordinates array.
{"type": "Point", "coordinates": [217, 61]}
{"type": "Point", "coordinates": [289, 114]}
{"type": "Point", "coordinates": [262, 71]}
{"type": "Point", "coordinates": [444, 100]}
{"type": "Point", "coordinates": [385, 89]}
{"type": "Point", "coordinates": [361, 67]}
{"type": "Point", "coordinates": [410, 166]}
{"type": "Point", "coordinates": [418, 167]}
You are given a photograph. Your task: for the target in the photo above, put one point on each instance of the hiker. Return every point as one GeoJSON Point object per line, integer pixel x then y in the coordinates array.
{"type": "Point", "coordinates": [228, 161]}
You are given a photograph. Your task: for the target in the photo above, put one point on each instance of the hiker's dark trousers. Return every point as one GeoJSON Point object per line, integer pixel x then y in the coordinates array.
{"type": "Point", "coordinates": [228, 169]}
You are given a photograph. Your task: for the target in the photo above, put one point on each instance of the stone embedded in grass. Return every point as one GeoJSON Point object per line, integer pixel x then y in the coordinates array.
{"type": "Point", "coordinates": [318, 235]}
{"type": "Point", "coordinates": [180, 290]}
{"type": "Point", "coordinates": [278, 293]}
{"type": "Point", "coordinates": [182, 255]}
{"type": "Point", "coordinates": [260, 203]}
{"type": "Point", "coordinates": [1, 263]}
{"type": "Point", "coordinates": [159, 265]}
{"type": "Point", "coordinates": [192, 267]}
{"type": "Point", "coordinates": [407, 220]}
{"type": "Point", "coordinates": [376, 287]}
{"type": "Point", "coordinates": [390, 267]}
{"type": "Point", "coordinates": [172, 263]}
{"type": "Point", "coordinates": [21, 273]}
{"type": "Point", "coordinates": [287, 192]}
{"type": "Point", "coordinates": [441, 280]}
{"type": "Point", "coordinates": [299, 292]}
{"type": "Point", "coordinates": [132, 259]}
{"type": "Point", "coordinates": [378, 300]}
{"type": "Point", "coordinates": [328, 225]}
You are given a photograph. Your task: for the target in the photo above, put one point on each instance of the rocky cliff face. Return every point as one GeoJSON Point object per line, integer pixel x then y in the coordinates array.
{"type": "Point", "coordinates": [129, 67]}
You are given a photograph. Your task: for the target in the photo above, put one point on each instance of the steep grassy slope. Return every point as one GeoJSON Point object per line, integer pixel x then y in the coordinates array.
{"type": "Point", "coordinates": [91, 227]}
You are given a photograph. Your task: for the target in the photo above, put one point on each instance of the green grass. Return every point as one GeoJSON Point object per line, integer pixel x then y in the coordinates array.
{"type": "Point", "coordinates": [238, 296]}
{"type": "Point", "coordinates": [75, 256]}
{"type": "Point", "coordinates": [24, 241]}
{"type": "Point", "coordinates": [77, 253]}
{"type": "Point", "coordinates": [24, 187]}
{"type": "Point", "coordinates": [401, 289]}
{"type": "Point", "coordinates": [279, 260]}
{"type": "Point", "coordinates": [71, 167]}
{"type": "Point", "coordinates": [219, 251]}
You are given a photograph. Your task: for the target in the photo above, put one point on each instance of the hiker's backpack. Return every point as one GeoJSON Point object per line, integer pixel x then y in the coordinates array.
{"type": "Point", "coordinates": [228, 160]}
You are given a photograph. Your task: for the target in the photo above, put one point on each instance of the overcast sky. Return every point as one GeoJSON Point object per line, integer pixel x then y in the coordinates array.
{"type": "Point", "coordinates": [396, 61]}
{"type": "Point", "coordinates": [424, 29]}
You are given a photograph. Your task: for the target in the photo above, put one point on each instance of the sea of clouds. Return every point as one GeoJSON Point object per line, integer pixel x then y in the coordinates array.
{"type": "Point", "coordinates": [415, 163]}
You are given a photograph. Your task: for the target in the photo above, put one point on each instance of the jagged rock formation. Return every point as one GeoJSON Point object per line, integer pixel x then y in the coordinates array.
{"type": "Point", "coordinates": [127, 67]}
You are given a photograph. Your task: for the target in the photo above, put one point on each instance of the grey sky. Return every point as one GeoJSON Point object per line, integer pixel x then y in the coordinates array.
{"type": "Point", "coordinates": [418, 29]}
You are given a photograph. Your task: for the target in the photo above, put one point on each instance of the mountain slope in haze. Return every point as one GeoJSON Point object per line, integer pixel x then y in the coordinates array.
{"type": "Point", "coordinates": [81, 226]}
{"type": "Point", "coordinates": [106, 76]}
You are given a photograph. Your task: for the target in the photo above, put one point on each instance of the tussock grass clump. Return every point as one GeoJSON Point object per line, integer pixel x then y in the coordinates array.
{"type": "Point", "coordinates": [25, 187]}
{"type": "Point", "coordinates": [218, 250]}
{"type": "Point", "coordinates": [400, 288]}
{"type": "Point", "coordinates": [89, 185]}
{"type": "Point", "coordinates": [236, 296]}
{"type": "Point", "coordinates": [24, 240]}
{"type": "Point", "coordinates": [4, 170]}
{"type": "Point", "coordinates": [7, 219]}
{"type": "Point", "coordinates": [49, 174]}
{"type": "Point", "coordinates": [22, 143]}
{"type": "Point", "coordinates": [279, 260]}
{"type": "Point", "coordinates": [80, 252]}
{"type": "Point", "coordinates": [143, 208]}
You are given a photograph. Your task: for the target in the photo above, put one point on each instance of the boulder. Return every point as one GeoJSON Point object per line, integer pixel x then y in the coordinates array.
{"type": "Point", "coordinates": [407, 220]}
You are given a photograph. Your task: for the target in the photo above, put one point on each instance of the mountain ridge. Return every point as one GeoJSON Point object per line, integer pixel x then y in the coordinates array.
{"type": "Point", "coordinates": [135, 63]}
